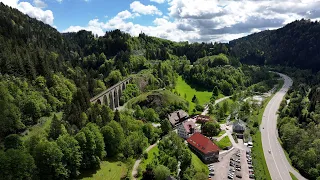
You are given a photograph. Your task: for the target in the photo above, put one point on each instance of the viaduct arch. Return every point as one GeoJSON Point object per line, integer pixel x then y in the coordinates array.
{"type": "Point", "coordinates": [112, 95]}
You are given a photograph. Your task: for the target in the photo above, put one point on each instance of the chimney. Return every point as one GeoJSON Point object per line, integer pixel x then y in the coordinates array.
{"type": "Point", "coordinates": [191, 130]}
{"type": "Point", "coordinates": [178, 113]}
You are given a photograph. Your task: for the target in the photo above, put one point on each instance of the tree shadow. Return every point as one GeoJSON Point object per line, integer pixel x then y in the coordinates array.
{"type": "Point", "coordinates": [90, 172]}
{"type": "Point", "coordinates": [197, 87]}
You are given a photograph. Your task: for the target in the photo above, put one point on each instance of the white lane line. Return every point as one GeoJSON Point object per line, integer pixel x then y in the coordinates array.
{"type": "Point", "coordinates": [269, 135]}
{"type": "Point", "coordinates": [279, 147]}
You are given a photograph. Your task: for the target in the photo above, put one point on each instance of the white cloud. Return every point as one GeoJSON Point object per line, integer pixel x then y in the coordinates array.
{"type": "Point", "coordinates": [210, 20]}
{"type": "Point", "coordinates": [93, 29]}
{"type": "Point", "coordinates": [97, 27]}
{"type": "Point", "coordinates": [39, 4]}
{"type": "Point", "coordinates": [124, 14]}
{"type": "Point", "coordinates": [158, 1]}
{"type": "Point", "coordinates": [41, 15]}
{"type": "Point", "coordinates": [45, 16]}
{"type": "Point", "coordinates": [12, 3]}
{"type": "Point", "coordinates": [137, 7]}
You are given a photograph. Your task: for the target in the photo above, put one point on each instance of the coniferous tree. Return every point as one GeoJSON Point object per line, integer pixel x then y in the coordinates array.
{"type": "Point", "coordinates": [55, 128]}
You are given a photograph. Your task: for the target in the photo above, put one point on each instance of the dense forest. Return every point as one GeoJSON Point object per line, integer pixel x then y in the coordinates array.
{"type": "Point", "coordinates": [296, 44]}
{"type": "Point", "coordinates": [48, 78]}
{"type": "Point", "coordinates": [298, 122]}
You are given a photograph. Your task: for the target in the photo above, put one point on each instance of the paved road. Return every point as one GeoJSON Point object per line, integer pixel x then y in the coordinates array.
{"type": "Point", "coordinates": [278, 165]}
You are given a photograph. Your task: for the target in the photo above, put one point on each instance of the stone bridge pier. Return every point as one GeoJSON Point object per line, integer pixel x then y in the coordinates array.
{"type": "Point", "coordinates": [111, 96]}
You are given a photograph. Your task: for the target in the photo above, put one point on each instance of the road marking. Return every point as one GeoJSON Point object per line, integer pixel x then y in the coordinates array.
{"type": "Point", "coordinates": [269, 136]}
{"type": "Point", "coordinates": [279, 147]}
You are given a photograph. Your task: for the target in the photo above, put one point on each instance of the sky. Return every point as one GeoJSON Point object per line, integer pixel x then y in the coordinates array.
{"type": "Point", "coordinates": [177, 20]}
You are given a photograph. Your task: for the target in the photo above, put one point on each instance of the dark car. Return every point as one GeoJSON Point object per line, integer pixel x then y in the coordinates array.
{"type": "Point", "coordinates": [239, 176]}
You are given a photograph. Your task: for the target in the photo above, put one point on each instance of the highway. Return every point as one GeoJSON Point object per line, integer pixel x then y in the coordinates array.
{"type": "Point", "coordinates": [278, 165]}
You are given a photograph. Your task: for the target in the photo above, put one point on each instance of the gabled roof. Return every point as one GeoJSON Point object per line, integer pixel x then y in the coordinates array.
{"type": "Point", "coordinates": [174, 117]}
{"type": "Point", "coordinates": [239, 125]}
{"type": "Point", "coordinates": [187, 125]}
{"type": "Point", "coordinates": [202, 143]}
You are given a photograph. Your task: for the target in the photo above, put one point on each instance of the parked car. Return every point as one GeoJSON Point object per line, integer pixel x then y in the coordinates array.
{"type": "Point", "coordinates": [251, 176]}
{"type": "Point", "coordinates": [239, 176]}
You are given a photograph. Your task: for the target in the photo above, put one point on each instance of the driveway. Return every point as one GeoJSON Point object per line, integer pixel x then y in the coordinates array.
{"type": "Point", "coordinates": [138, 161]}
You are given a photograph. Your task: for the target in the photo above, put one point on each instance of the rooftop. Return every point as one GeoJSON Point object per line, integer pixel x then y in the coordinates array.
{"type": "Point", "coordinates": [202, 143]}
{"type": "Point", "coordinates": [239, 125]}
{"type": "Point", "coordinates": [203, 118]}
{"type": "Point", "coordinates": [188, 124]}
{"type": "Point", "coordinates": [175, 117]}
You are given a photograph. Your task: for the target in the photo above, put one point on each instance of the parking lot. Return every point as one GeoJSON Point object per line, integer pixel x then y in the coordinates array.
{"type": "Point", "coordinates": [232, 165]}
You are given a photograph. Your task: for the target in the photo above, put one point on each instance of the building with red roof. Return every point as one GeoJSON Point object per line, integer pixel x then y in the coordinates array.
{"type": "Point", "coordinates": [203, 147]}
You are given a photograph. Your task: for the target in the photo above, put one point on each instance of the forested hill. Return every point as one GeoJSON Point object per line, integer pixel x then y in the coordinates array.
{"type": "Point", "coordinates": [27, 46]}
{"type": "Point", "coordinates": [296, 44]}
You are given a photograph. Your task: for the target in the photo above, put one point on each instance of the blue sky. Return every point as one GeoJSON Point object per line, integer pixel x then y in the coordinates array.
{"type": "Point", "coordinates": [69, 12]}
{"type": "Point", "coordinates": [177, 20]}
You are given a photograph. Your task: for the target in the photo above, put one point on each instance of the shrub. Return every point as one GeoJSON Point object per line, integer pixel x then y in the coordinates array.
{"type": "Point", "coordinates": [145, 155]}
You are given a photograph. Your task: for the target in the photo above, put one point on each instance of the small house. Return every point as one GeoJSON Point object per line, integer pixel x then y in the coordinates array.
{"type": "Point", "coordinates": [186, 129]}
{"type": "Point", "coordinates": [239, 127]}
{"type": "Point", "coordinates": [177, 117]}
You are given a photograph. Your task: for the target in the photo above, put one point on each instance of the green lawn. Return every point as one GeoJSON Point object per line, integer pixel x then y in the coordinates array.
{"type": "Point", "coordinates": [198, 164]}
{"type": "Point", "coordinates": [221, 133]}
{"type": "Point", "coordinates": [42, 127]}
{"type": "Point", "coordinates": [145, 162]}
{"type": "Point", "coordinates": [259, 161]}
{"type": "Point", "coordinates": [109, 171]}
{"type": "Point", "coordinates": [260, 165]}
{"type": "Point", "coordinates": [224, 142]}
{"type": "Point", "coordinates": [184, 89]}
{"type": "Point", "coordinates": [293, 177]}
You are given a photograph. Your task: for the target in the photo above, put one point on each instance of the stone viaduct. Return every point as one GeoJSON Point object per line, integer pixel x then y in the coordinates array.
{"type": "Point", "coordinates": [112, 95]}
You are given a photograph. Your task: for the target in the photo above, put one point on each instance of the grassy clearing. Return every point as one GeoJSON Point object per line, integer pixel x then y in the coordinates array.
{"type": "Point", "coordinates": [167, 97]}
{"type": "Point", "coordinates": [293, 177]}
{"type": "Point", "coordinates": [224, 142]}
{"type": "Point", "coordinates": [184, 89]}
{"type": "Point", "coordinates": [151, 156]}
{"type": "Point", "coordinates": [108, 171]}
{"type": "Point", "coordinates": [198, 164]}
{"type": "Point", "coordinates": [42, 127]}
{"type": "Point", "coordinates": [260, 165]}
